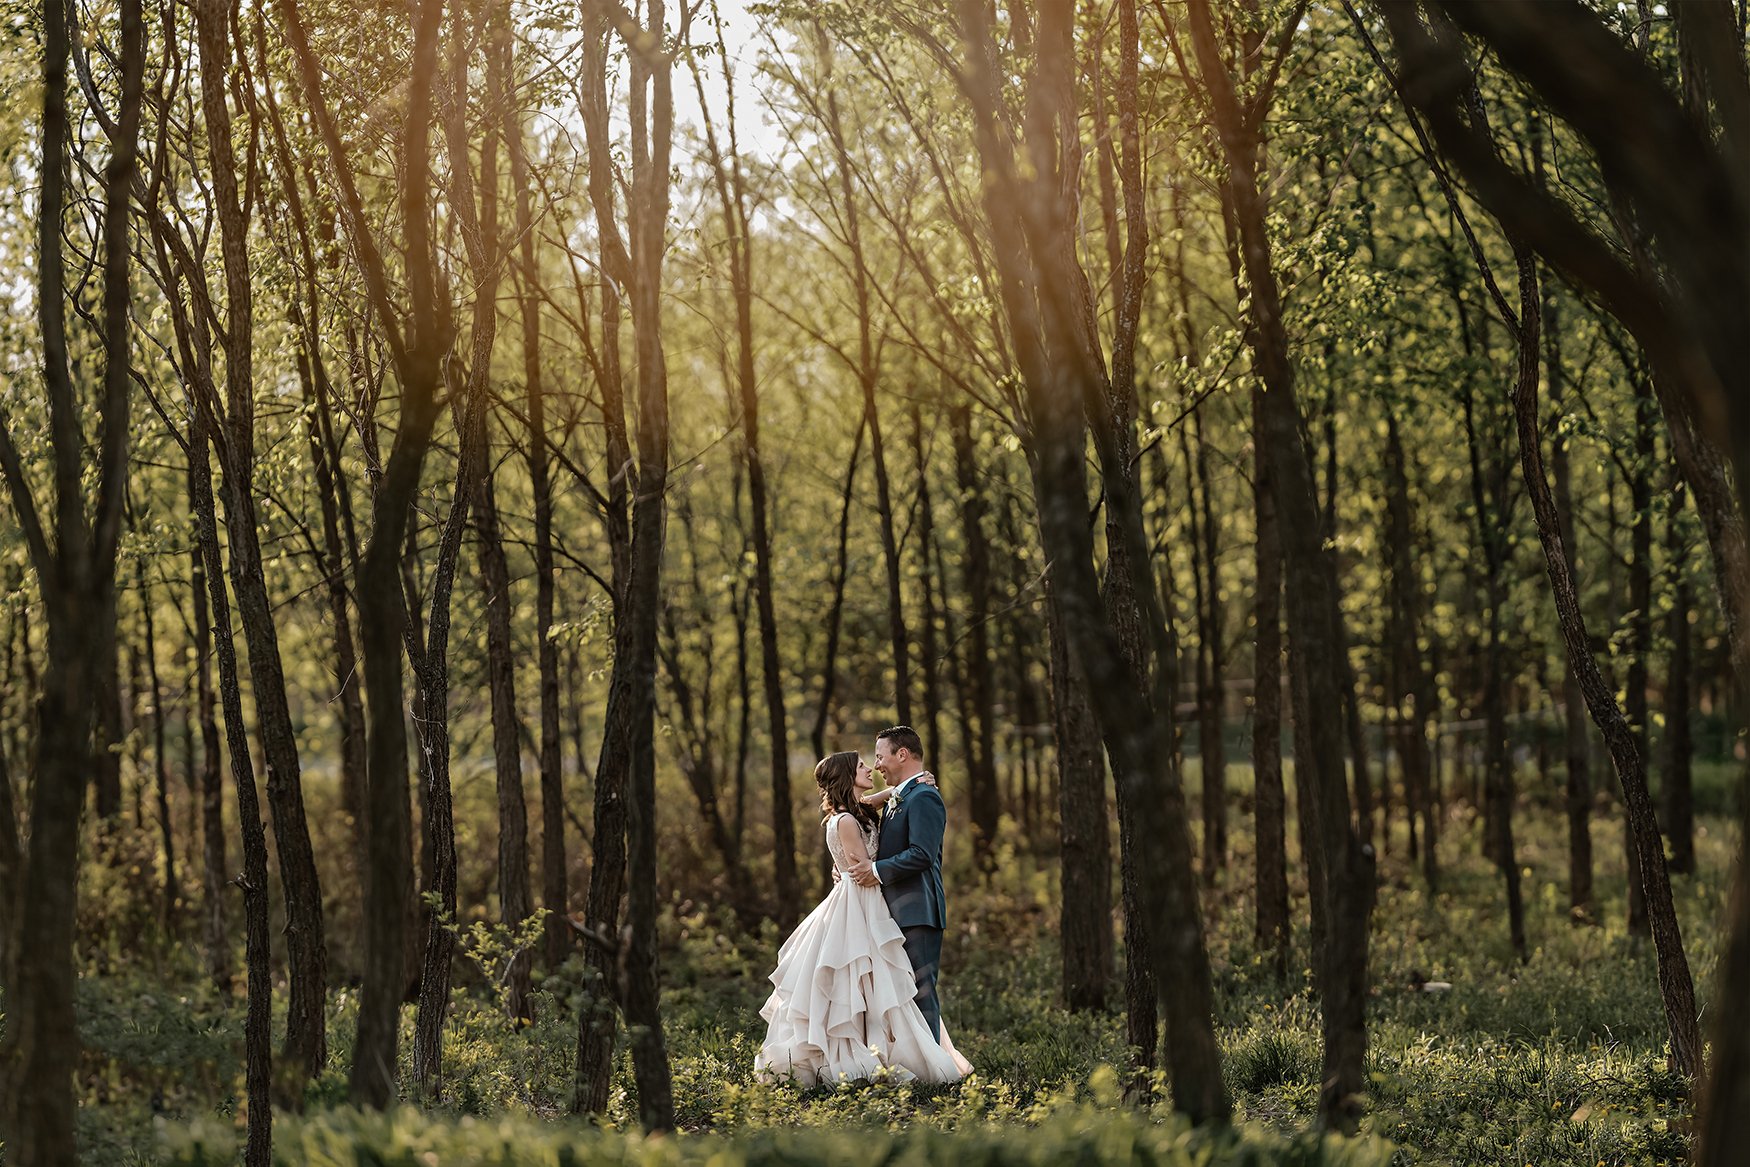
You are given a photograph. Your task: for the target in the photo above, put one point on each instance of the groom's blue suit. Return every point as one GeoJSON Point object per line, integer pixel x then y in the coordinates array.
{"type": "Point", "coordinates": [908, 862]}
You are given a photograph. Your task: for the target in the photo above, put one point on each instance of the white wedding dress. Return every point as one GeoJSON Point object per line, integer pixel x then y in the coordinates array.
{"type": "Point", "coordinates": [842, 1006]}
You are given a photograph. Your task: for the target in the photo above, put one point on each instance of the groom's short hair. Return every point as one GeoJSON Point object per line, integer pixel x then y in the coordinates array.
{"type": "Point", "coordinates": [903, 737]}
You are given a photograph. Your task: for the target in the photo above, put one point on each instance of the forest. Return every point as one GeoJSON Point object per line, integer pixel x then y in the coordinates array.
{"type": "Point", "coordinates": [467, 461]}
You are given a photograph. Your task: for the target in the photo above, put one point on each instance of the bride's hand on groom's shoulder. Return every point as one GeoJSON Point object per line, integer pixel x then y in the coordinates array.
{"type": "Point", "coordinates": [877, 797]}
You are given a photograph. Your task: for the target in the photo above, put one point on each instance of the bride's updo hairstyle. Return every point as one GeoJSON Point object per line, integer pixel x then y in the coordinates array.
{"type": "Point", "coordinates": [836, 775]}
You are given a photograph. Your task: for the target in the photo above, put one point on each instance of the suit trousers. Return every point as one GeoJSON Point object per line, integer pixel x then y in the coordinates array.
{"type": "Point", "coordinates": [924, 947]}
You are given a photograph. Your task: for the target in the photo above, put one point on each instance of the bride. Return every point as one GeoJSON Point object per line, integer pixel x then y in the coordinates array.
{"type": "Point", "coordinates": [842, 1005]}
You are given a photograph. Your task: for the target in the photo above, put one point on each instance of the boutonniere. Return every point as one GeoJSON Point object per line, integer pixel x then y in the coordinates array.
{"type": "Point", "coordinates": [893, 803]}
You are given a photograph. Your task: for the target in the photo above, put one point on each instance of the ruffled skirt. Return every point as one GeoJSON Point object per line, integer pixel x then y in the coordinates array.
{"type": "Point", "coordinates": [842, 1007]}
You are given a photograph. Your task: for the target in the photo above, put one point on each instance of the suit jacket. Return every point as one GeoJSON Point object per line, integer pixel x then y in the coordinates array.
{"type": "Point", "coordinates": [908, 859]}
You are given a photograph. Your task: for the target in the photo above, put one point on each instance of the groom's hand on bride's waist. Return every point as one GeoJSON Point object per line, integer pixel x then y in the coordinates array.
{"type": "Point", "coordinates": [863, 872]}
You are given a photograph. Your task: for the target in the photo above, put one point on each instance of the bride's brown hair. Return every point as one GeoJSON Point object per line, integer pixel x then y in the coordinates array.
{"type": "Point", "coordinates": [836, 775]}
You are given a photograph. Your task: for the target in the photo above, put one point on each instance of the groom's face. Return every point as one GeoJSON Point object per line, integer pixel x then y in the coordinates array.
{"type": "Point", "coordinates": [891, 762]}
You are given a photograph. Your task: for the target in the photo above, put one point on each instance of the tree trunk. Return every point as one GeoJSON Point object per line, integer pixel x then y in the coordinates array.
{"type": "Point", "coordinates": [1047, 301]}
{"type": "Point", "coordinates": [732, 201]}
{"type": "Point", "coordinates": [432, 668]}
{"type": "Point", "coordinates": [1210, 747]}
{"type": "Point", "coordinates": [829, 673]}
{"type": "Point", "coordinates": [257, 947]}
{"type": "Point", "coordinates": [1414, 677]}
{"type": "Point", "coordinates": [475, 203]}
{"type": "Point", "coordinates": [1712, 295]}
{"type": "Point", "coordinates": [982, 791]}
{"type": "Point", "coordinates": [306, 1041]}
{"type": "Point", "coordinates": [1488, 496]}
{"type": "Point", "coordinates": [1640, 622]}
{"type": "Point", "coordinates": [106, 774]}
{"type": "Point", "coordinates": [1679, 746]}
{"type": "Point", "coordinates": [1677, 989]}
{"type": "Point", "coordinates": [929, 650]}
{"type": "Point", "coordinates": [1317, 642]}
{"type": "Point", "coordinates": [1576, 741]}
{"type": "Point", "coordinates": [172, 896]}
{"type": "Point", "coordinates": [330, 489]}
{"type": "Point", "coordinates": [1353, 727]}
{"type": "Point", "coordinates": [868, 370]}
{"type": "Point", "coordinates": [1085, 848]}
{"type": "Point", "coordinates": [211, 790]}
{"type": "Point", "coordinates": [554, 891]}
{"type": "Point", "coordinates": [515, 900]}
{"type": "Point", "coordinates": [635, 667]}
{"type": "Point", "coordinates": [1270, 805]}
{"type": "Point", "coordinates": [626, 770]}
{"type": "Point", "coordinates": [382, 616]}
{"type": "Point", "coordinates": [39, 1049]}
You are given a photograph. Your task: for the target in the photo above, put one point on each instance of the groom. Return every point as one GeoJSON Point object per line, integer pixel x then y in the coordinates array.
{"type": "Point", "coordinates": [908, 861]}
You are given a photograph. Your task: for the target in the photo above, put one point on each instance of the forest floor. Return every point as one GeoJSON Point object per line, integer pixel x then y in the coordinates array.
{"type": "Point", "coordinates": [1557, 1061]}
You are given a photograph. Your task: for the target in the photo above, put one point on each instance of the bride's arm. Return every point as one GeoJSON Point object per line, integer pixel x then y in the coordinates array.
{"type": "Point", "coordinates": [852, 840]}
{"type": "Point", "coordinates": [877, 797]}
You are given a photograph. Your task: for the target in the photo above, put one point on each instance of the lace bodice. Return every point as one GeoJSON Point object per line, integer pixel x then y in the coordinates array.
{"type": "Point", "coordinates": [836, 848]}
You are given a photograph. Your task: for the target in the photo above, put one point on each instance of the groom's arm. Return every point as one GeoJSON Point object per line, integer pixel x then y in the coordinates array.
{"type": "Point", "coordinates": [929, 818]}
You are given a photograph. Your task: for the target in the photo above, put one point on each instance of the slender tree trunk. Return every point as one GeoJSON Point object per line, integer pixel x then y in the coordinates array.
{"type": "Point", "coordinates": [211, 784]}
{"type": "Point", "coordinates": [1488, 501]}
{"type": "Point", "coordinates": [1414, 673]}
{"type": "Point", "coordinates": [1047, 301]}
{"type": "Point", "coordinates": [744, 712]}
{"type": "Point", "coordinates": [257, 949]}
{"type": "Point", "coordinates": [1576, 741]}
{"type": "Point", "coordinates": [515, 900]}
{"type": "Point", "coordinates": [1309, 580]}
{"type": "Point", "coordinates": [868, 370]}
{"type": "Point", "coordinates": [1640, 622]}
{"type": "Point", "coordinates": [1677, 989]}
{"type": "Point", "coordinates": [1210, 746]}
{"type": "Point", "coordinates": [432, 668]}
{"type": "Point", "coordinates": [414, 602]}
{"type": "Point", "coordinates": [475, 204]}
{"type": "Point", "coordinates": [39, 1050]}
{"type": "Point", "coordinates": [1271, 928]}
{"type": "Point", "coordinates": [554, 892]}
{"type": "Point", "coordinates": [306, 1041]}
{"type": "Point", "coordinates": [929, 651]}
{"type": "Point", "coordinates": [1679, 746]}
{"type": "Point", "coordinates": [1498, 783]}
{"type": "Point", "coordinates": [626, 771]}
{"type": "Point", "coordinates": [382, 615]}
{"type": "Point", "coordinates": [106, 775]}
{"type": "Point", "coordinates": [829, 673]}
{"type": "Point", "coordinates": [515, 896]}
{"type": "Point", "coordinates": [329, 487]}
{"type": "Point", "coordinates": [732, 199]}
{"type": "Point", "coordinates": [652, 119]}
{"type": "Point", "coordinates": [771, 668]}
{"type": "Point", "coordinates": [172, 896]}
{"type": "Point", "coordinates": [982, 790]}
{"type": "Point", "coordinates": [1353, 727]}
{"type": "Point", "coordinates": [1085, 848]}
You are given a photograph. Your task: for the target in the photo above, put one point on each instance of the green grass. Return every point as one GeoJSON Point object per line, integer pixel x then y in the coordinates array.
{"type": "Point", "coordinates": [1559, 1061]}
